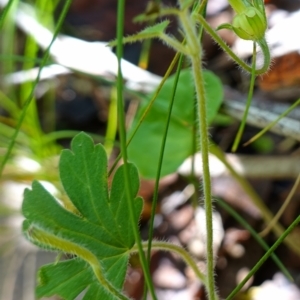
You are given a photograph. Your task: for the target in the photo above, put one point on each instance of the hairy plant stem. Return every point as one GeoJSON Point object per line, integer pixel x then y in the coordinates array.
{"type": "Point", "coordinates": [195, 56]}
{"type": "Point", "coordinates": [204, 145]}
{"type": "Point", "coordinates": [262, 44]}
{"type": "Point", "coordinates": [165, 246]}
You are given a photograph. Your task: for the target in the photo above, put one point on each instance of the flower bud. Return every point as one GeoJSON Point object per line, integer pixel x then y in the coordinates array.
{"type": "Point", "coordinates": [250, 24]}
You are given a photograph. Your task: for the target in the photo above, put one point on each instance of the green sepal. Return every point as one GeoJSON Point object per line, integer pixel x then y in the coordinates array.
{"type": "Point", "coordinates": [250, 22]}
{"type": "Point", "coordinates": [250, 25]}
{"type": "Point", "coordinates": [239, 6]}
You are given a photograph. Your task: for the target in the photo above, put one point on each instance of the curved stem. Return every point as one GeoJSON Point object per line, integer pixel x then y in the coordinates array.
{"type": "Point", "coordinates": [266, 54]}
{"type": "Point", "coordinates": [262, 43]}
{"type": "Point", "coordinates": [157, 245]}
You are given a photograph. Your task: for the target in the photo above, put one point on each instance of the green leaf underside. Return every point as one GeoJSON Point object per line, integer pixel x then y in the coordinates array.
{"type": "Point", "coordinates": [101, 227]}
{"type": "Point", "coordinates": [68, 279]}
{"type": "Point", "coordinates": [145, 146]}
{"type": "Point", "coordinates": [60, 278]}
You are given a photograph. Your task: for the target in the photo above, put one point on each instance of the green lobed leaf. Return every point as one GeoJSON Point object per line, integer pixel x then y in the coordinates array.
{"type": "Point", "coordinates": [99, 234]}
{"type": "Point", "coordinates": [145, 146]}
{"type": "Point", "coordinates": [68, 279]}
{"type": "Point", "coordinates": [59, 278]}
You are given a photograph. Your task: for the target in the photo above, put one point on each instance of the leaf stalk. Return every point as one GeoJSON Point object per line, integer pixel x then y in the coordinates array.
{"type": "Point", "coordinates": [196, 61]}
